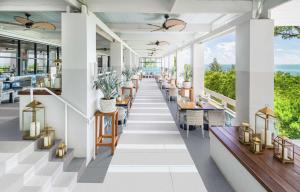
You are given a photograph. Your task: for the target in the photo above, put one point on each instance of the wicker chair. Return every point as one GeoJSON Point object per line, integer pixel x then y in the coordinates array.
{"type": "Point", "coordinates": [216, 118]}
{"type": "Point", "coordinates": [193, 118]}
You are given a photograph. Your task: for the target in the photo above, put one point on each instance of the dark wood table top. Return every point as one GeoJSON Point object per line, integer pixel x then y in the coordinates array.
{"type": "Point", "coordinates": [190, 105]}
{"type": "Point", "coordinates": [39, 92]}
{"type": "Point", "coordinates": [268, 171]}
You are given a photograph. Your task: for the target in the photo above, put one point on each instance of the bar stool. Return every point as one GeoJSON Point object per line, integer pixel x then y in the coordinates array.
{"type": "Point", "coordinates": [100, 132]}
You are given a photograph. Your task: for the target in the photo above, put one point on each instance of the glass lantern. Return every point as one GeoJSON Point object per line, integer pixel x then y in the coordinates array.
{"type": "Point", "coordinates": [245, 133]}
{"type": "Point", "coordinates": [283, 150]}
{"type": "Point", "coordinates": [48, 138]}
{"type": "Point", "coordinates": [61, 150]}
{"type": "Point", "coordinates": [265, 120]}
{"type": "Point", "coordinates": [33, 120]}
{"type": "Point", "coordinates": [255, 144]}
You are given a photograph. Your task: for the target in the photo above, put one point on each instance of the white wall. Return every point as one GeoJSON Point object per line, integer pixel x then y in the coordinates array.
{"type": "Point", "coordinates": [128, 60]}
{"type": "Point", "coordinates": [254, 68]}
{"type": "Point", "coordinates": [78, 70]}
{"type": "Point", "coordinates": [116, 57]}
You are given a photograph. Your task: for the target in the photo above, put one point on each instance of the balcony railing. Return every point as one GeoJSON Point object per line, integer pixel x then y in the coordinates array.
{"type": "Point", "coordinates": [228, 103]}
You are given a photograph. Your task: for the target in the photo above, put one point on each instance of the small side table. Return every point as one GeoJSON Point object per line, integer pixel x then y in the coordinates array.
{"type": "Point", "coordinates": [100, 132]}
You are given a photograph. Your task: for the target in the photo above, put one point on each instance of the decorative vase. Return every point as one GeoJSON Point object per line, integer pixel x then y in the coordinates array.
{"type": "Point", "coordinates": [107, 106]}
{"type": "Point", "coordinates": [187, 84]}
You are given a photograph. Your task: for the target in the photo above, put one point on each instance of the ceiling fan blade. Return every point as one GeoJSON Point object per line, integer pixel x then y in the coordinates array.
{"type": "Point", "coordinates": [22, 20]}
{"type": "Point", "coordinates": [159, 29]}
{"type": "Point", "coordinates": [10, 23]}
{"type": "Point", "coordinates": [153, 25]}
{"type": "Point", "coordinates": [44, 25]}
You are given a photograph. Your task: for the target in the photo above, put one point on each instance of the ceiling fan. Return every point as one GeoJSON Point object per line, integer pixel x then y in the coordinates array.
{"type": "Point", "coordinates": [30, 24]}
{"type": "Point", "coordinates": [170, 24]}
{"type": "Point", "coordinates": [103, 49]}
{"type": "Point", "coordinates": [153, 49]}
{"type": "Point", "coordinates": [159, 43]}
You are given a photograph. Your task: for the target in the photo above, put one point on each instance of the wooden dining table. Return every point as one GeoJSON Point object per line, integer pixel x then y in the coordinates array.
{"type": "Point", "coordinates": [191, 105]}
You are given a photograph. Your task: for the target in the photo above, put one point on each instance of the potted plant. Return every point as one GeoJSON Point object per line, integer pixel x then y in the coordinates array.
{"type": "Point", "coordinates": [187, 76]}
{"type": "Point", "coordinates": [174, 72]}
{"type": "Point", "coordinates": [127, 74]}
{"type": "Point", "coordinates": [108, 84]}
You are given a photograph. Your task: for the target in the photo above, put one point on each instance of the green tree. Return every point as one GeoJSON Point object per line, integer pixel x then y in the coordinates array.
{"type": "Point", "coordinates": [287, 32]}
{"type": "Point", "coordinates": [215, 66]}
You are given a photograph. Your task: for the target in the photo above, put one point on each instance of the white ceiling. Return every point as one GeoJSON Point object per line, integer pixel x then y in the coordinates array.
{"type": "Point", "coordinates": [129, 18]}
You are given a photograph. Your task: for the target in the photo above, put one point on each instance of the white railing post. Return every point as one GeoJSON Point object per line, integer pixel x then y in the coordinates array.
{"type": "Point", "coordinates": [66, 126]}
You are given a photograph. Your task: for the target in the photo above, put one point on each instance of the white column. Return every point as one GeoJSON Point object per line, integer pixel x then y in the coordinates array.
{"type": "Point", "coordinates": [128, 62]}
{"type": "Point", "coordinates": [198, 69]}
{"type": "Point", "coordinates": [180, 66]}
{"type": "Point", "coordinates": [78, 73]}
{"type": "Point", "coordinates": [116, 57]}
{"type": "Point", "coordinates": [254, 68]}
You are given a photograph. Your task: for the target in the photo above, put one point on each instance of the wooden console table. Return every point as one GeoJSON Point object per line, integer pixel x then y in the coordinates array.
{"type": "Point", "coordinates": [100, 130]}
{"type": "Point", "coordinates": [267, 171]}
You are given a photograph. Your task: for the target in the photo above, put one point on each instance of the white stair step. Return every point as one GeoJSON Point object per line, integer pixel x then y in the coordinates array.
{"type": "Point", "coordinates": [38, 182]}
{"type": "Point", "coordinates": [64, 182]}
{"type": "Point", "coordinates": [11, 182]}
{"type": "Point", "coordinates": [31, 189]}
{"type": "Point", "coordinates": [37, 159]}
{"type": "Point", "coordinates": [23, 170]}
{"type": "Point", "coordinates": [21, 148]}
{"type": "Point", "coordinates": [51, 169]}
{"type": "Point", "coordinates": [7, 162]}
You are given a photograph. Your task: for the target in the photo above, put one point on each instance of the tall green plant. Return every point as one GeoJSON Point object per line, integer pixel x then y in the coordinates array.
{"type": "Point", "coordinates": [187, 73]}
{"type": "Point", "coordinates": [127, 74]}
{"type": "Point", "coordinates": [108, 84]}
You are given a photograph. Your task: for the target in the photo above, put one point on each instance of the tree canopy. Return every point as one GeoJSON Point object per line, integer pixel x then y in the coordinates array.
{"type": "Point", "coordinates": [287, 32]}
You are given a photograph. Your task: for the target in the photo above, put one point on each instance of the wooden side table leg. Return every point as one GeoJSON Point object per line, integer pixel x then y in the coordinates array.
{"type": "Point", "coordinates": [96, 133]}
{"type": "Point", "coordinates": [113, 135]}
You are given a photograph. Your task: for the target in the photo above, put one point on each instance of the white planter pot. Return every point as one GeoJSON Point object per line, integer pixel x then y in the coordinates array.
{"type": "Point", "coordinates": [187, 84]}
{"type": "Point", "coordinates": [107, 106]}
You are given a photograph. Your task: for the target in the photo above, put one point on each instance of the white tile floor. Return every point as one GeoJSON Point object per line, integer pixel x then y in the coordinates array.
{"type": "Point", "coordinates": [151, 154]}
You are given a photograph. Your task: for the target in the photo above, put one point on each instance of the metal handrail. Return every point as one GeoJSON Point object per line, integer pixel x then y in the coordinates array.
{"type": "Point", "coordinates": [67, 104]}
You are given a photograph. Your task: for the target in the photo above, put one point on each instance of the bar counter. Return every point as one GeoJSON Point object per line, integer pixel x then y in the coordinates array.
{"type": "Point", "coordinates": [265, 173]}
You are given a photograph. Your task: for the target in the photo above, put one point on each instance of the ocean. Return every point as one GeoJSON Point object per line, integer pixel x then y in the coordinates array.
{"type": "Point", "coordinates": [293, 69]}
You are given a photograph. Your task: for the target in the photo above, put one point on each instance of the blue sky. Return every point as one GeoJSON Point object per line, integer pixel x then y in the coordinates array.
{"type": "Point", "coordinates": [223, 48]}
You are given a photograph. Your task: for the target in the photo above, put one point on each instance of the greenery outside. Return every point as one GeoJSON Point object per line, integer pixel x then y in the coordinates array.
{"type": "Point", "coordinates": [286, 101]}
{"type": "Point", "coordinates": [187, 73]}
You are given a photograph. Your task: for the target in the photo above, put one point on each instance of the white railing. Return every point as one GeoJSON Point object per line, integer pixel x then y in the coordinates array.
{"type": "Point", "coordinates": [67, 105]}
{"type": "Point", "coordinates": [222, 100]}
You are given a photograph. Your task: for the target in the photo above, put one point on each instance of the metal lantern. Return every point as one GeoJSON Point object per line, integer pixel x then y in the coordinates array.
{"type": "Point", "coordinates": [268, 117]}
{"type": "Point", "coordinates": [283, 150]}
{"type": "Point", "coordinates": [33, 120]}
{"type": "Point", "coordinates": [61, 150]}
{"type": "Point", "coordinates": [245, 133]}
{"type": "Point", "coordinates": [255, 144]}
{"type": "Point", "coordinates": [48, 138]}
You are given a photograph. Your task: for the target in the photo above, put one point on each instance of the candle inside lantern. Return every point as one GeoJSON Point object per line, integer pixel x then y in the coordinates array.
{"type": "Point", "coordinates": [247, 137]}
{"type": "Point", "coordinates": [257, 147]}
{"type": "Point", "coordinates": [35, 129]}
{"type": "Point", "coordinates": [60, 152]}
{"type": "Point", "coordinates": [285, 153]}
{"type": "Point", "coordinates": [46, 141]}
{"type": "Point", "coordinates": [269, 138]}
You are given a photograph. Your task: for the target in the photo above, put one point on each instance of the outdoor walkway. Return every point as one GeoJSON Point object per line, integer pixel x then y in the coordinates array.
{"type": "Point", "coordinates": [151, 154]}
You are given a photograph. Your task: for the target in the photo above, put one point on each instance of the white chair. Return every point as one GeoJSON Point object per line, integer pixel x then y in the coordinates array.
{"type": "Point", "coordinates": [172, 93]}
{"type": "Point", "coordinates": [194, 117]}
{"type": "Point", "coordinates": [216, 118]}
{"type": "Point", "coordinates": [122, 113]}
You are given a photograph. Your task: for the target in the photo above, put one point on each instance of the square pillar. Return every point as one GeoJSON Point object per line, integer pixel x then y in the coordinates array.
{"type": "Point", "coordinates": [198, 69]}
{"type": "Point", "coordinates": [79, 64]}
{"type": "Point", "coordinates": [128, 61]}
{"type": "Point", "coordinates": [116, 57]}
{"type": "Point", "coordinates": [254, 68]}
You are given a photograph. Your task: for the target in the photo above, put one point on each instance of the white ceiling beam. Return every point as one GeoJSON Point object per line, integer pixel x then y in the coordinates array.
{"type": "Point", "coordinates": [138, 27]}
{"type": "Point", "coordinates": [171, 6]}
{"type": "Point", "coordinates": [33, 5]}
{"type": "Point", "coordinates": [287, 14]}
{"type": "Point", "coordinates": [136, 6]}
{"type": "Point", "coordinates": [212, 6]}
